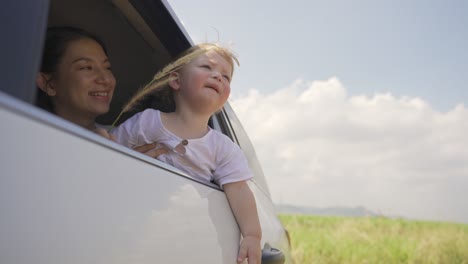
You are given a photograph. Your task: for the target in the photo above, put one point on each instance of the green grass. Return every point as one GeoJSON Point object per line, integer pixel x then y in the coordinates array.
{"type": "Point", "coordinates": [327, 239]}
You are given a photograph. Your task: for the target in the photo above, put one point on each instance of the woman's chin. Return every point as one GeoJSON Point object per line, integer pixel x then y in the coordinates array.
{"type": "Point", "coordinates": [101, 110]}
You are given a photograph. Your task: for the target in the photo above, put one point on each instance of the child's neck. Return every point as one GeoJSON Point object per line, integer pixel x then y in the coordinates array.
{"type": "Point", "coordinates": [186, 124]}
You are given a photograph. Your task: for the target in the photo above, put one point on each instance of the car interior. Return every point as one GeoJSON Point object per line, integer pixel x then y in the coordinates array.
{"type": "Point", "coordinates": [138, 44]}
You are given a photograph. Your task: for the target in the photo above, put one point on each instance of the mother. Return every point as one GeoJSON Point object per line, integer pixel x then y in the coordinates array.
{"type": "Point", "coordinates": [75, 76]}
{"type": "Point", "coordinates": [76, 80]}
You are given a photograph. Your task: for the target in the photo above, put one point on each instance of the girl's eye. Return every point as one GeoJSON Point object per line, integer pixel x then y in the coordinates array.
{"type": "Point", "coordinates": [206, 66]}
{"type": "Point", "coordinates": [227, 77]}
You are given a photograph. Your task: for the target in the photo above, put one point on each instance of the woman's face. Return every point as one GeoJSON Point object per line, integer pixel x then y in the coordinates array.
{"type": "Point", "coordinates": [83, 82]}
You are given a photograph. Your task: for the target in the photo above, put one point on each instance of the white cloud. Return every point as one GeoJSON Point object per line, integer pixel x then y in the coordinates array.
{"type": "Point", "coordinates": [320, 146]}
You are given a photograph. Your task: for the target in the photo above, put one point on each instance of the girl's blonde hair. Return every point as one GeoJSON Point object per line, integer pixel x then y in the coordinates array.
{"type": "Point", "coordinates": [158, 87]}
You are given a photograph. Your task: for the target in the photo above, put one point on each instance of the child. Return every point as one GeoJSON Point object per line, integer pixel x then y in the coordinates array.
{"type": "Point", "coordinates": [198, 85]}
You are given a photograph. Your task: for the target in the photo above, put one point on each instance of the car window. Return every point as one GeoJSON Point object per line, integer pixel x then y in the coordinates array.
{"type": "Point", "coordinates": [138, 49]}
{"type": "Point", "coordinates": [138, 46]}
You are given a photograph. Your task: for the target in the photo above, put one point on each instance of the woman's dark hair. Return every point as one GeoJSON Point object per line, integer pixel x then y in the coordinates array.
{"type": "Point", "coordinates": [57, 41]}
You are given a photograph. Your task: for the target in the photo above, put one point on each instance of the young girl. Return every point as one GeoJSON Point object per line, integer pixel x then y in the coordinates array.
{"type": "Point", "coordinates": [195, 87]}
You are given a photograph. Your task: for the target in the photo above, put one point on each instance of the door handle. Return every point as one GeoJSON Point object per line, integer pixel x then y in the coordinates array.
{"type": "Point", "coordinates": [272, 255]}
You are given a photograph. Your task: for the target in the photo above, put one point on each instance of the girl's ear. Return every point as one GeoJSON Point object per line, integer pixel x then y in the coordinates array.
{"type": "Point", "coordinates": [43, 81]}
{"type": "Point", "coordinates": [174, 81]}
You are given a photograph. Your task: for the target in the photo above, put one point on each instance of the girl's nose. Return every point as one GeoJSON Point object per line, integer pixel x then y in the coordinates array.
{"type": "Point", "coordinates": [217, 75]}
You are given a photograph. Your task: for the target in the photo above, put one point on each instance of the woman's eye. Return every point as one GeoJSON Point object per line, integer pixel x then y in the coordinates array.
{"type": "Point", "coordinates": [86, 68]}
{"type": "Point", "coordinates": [107, 66]}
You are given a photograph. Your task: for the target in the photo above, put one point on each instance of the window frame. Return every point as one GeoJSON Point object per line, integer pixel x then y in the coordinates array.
{"type": "Point", "coordinates": [18, 93]}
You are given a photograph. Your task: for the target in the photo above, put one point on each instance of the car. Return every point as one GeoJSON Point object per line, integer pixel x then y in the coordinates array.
{"type": "Point", "coordinates": [68, 195]}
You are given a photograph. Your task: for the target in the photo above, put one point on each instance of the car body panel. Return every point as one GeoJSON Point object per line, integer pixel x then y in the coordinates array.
{"type": "Point", "coordinates": [65, 199]}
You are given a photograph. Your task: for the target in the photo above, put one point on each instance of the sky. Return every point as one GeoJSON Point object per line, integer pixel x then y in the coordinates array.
{"type": "Point", "coordinates": [350, 103]}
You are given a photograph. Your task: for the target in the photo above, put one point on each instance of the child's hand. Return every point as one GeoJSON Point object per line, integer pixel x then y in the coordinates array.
{"type": "Point", "coordinates": [250, 248]}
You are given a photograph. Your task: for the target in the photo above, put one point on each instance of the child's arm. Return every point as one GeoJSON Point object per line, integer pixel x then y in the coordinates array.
{"type": "Point", "coordinates": [243, 206]}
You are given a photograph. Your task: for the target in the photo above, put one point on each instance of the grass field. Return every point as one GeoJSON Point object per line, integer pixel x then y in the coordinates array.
{"type": "Point", "coordinates": [322, 239]}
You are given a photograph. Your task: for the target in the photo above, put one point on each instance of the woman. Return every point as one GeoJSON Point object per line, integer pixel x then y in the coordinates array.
{"type": "Point", "coordinates": [75, 76]}
{"type": "Point", "coordinates": [76, 80]}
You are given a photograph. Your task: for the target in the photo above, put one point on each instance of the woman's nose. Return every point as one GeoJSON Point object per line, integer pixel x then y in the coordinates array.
{"type": "Point", "coordinates": [105, 76]}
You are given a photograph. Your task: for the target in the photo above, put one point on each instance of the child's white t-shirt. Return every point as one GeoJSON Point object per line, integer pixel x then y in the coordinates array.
{"type": "Point", "coordinates": [213, 157]}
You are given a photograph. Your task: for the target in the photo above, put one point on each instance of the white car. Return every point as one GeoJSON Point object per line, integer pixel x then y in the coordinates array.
{"type": "Point", "coordinates": [68, 195]}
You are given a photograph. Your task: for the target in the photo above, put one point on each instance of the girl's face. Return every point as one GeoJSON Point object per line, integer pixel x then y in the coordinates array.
{"type": "Point", "coordinates": [204, 83]}
{"type": "Point", "coordinates": [83, 83]}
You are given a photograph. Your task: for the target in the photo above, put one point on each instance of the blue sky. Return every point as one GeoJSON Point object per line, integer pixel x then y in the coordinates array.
{"type": "Point", "coordinates": [350, 103]}
{"type": "Point", "coordinates": [408, 48]}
